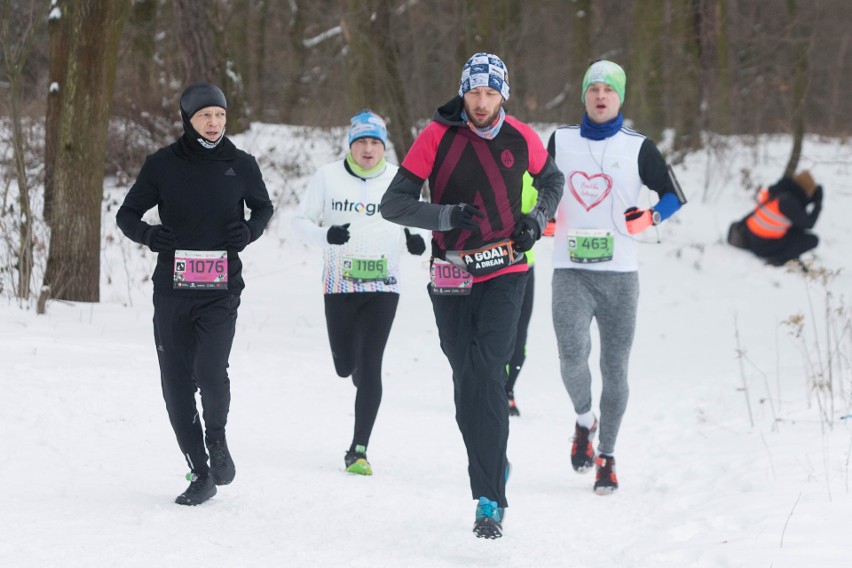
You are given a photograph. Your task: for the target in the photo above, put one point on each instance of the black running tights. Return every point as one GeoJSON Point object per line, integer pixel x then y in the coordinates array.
{"type": "Point", "coordinates": [358, 328]}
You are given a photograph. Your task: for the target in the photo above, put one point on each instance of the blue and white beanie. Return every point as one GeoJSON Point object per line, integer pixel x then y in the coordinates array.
{"type": "Point", "coordinates": [485, 70]}
{"type": "Point", "coordinates": [367, 124]}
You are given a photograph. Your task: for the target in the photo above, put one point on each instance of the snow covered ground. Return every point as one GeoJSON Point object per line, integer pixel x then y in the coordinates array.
{"type": "Point", "coordinates": [90, 467]}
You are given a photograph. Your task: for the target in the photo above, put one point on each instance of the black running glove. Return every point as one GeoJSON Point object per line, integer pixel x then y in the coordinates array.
{"type": "Point", "coordinates": [338, 234]}
{"type": "Point", "coordinates": [238, 235]}
{"type": "Point", "coordinates": [463, 215]}
{"type": "Point", "coordinates": [159, 238]}
{"type": "Point", "coordinates": [527, 232]}
{"type": "Point", "coordinates": [415, 243]}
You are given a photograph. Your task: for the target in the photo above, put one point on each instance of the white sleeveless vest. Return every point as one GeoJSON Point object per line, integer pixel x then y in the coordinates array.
{"type": "Point", "coordinates": [601, 181]}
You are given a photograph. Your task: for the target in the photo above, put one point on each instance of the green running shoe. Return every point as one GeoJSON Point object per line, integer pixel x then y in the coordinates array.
{"type": "Point", "coordinates": [356, 461]}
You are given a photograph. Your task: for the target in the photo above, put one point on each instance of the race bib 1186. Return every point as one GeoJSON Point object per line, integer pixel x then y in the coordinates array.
{"type": "Point", "coordinates": [201, 269]}
{"type": "Point", "coordinates": [365, 269]}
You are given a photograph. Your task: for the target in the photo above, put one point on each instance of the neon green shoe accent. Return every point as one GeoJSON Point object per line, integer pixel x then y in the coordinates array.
{"type": "Point", "coordinates": [356, 462]}
{"type": "Point", "coordinates": [361, 467]}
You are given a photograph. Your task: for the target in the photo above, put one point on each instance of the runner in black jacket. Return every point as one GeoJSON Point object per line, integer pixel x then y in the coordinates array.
{"type": "Point", "coordinates": [200, 185]}
{"type": "Point", "coordinates": [474, 156]}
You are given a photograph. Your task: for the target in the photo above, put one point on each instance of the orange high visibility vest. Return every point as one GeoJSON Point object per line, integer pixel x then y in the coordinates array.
{"type": "Point", "coordinates": [767, 221]}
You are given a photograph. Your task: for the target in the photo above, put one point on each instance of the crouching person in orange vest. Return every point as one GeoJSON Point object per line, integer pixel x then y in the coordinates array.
{"type": "Point", "coordinates": [778, 228]}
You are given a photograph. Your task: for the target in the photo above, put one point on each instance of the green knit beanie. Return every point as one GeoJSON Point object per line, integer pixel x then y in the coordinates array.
{"type": "Point", "coordinates": [604, 71]}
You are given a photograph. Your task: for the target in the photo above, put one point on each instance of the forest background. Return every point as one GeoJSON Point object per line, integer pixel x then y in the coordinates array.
{"type": "Point", "coordinates": [88, 88]}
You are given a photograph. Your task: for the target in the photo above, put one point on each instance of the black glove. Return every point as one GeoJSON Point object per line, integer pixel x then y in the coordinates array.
{"type": "Point", "coordinates": [817, 198]}
{"type": "Point", "coordinates": [463, 215]}
{"type": "Point", "coordinates": [526, 233]}
{"type": "Point", "coordinates": [415, 243]}
{"type": "Point", "coordinates": [159, 238]}
{"type": "Point", "coordinates": [338, 234]}
{"type": "Point", "coordinates": [238, 235]}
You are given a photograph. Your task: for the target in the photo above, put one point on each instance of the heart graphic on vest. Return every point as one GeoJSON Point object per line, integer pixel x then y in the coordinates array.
{"type": "Point", "coordinates": [589, 191]}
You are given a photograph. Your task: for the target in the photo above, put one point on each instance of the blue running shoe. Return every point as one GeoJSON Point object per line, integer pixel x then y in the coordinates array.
{"type": "Point", "coordinates": [489, 519]}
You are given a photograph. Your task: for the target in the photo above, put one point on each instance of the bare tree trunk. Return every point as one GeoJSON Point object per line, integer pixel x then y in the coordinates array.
{"type": "Point", "coordinates": [722, 94]}
{"type": "Point", "coordinates": [16, 48]}
{"type": "Point", "coordinates": [645, 88]}
{"type": "Point", "coordinates": [375, 78]}
{"type": "Point", "coordinates": [198, 25]}
{"type": "Point", "coordinates": [581, 54]}
{"type": "Point", "coordinates": [687, 24]}
{"type": "Point", "coordinates": [93, 29]}
{"type": "Point", "coordinates": [298, 57]}
{"type": "Point", "coordinates": [394, 100]}
{"type": "Point", "coordinates": [800, 86]}
{"type": "Point", "coordinates": [60, 37]}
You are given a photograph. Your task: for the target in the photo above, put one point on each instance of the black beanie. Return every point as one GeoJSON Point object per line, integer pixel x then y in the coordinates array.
{"type": "Point", "coordinates": [201, 95]}
{"type": "Point", "coordinates": [196, 97]}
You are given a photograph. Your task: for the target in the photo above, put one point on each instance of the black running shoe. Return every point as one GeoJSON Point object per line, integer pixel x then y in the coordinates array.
{"type": "Point", "coordinates": [221, 464]}
{"type": "Point", "coordinates": [513, 406]}
{"type": "Point", "coordinates": [605, 481]}
{"type": "Point", "coordinates": [200, 490]}
{"type": "Point", "coordinates": [489, 519]}
{"type": "Point", "coordinates": [582, 452]}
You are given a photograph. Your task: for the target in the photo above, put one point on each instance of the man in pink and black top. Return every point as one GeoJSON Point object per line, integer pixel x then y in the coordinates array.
{"type": "Point", "coordinates": [474, 156]}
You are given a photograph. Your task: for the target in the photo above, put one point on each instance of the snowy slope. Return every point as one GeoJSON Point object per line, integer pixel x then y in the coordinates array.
{"type": "Point", "coordinates": [90, 467]}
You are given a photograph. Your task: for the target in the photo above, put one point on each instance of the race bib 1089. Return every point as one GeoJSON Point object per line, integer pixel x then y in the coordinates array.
{"type": "Point", "coordinates": [201, 269]}
{"type": "Point", "coordinates": [449, 279]}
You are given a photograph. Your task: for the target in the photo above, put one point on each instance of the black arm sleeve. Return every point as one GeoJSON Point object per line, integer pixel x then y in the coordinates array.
{"type": "Point", "coordinates": [652, 169]}
{"type": "Point", "coordinates": [793, 209]}
{"type": "Point", "coordinates": [258, 202]}
{"type": "Point", "coordinates": [401, 204]}
{"type": "Point", "coordinates": [141, 197]}
{"type": "Point", "coordinates": [550, 183]}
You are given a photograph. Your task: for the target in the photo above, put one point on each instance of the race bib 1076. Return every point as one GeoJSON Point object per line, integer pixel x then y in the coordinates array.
{"type": "Point", "coordinates": [201, 269]}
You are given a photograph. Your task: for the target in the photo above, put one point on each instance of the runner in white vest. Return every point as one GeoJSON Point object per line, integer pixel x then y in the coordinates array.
{"type": "Point", "coordinates": [595, 256]}
{"type": "Point", "coordinates": [340, 213]}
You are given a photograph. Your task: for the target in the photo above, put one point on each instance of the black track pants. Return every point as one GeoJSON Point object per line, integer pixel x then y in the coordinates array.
{"type": "Point", "coordinates": [193, 336]}
{"type": "Point", "coordinates": [477, 334]}
{"type": "Point", "coordinates": [359, 325]}
{"type": "Point", "coordinates": [519, 355]}
{"type": "Point", "coordinates": [778, 251]}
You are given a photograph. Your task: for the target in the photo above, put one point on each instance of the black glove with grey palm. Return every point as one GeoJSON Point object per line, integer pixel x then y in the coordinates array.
{"type": "Point", "coordinates": [464, 216]}
{"type": "Point", "coordinates": [338, 234]}
{"type": "Point", "coordinates": [238, 235]}
{"type": "Point", "coordinates": [415, 243]}
{"type": "Point", "coordinates": [528, 230]}
{"type": "Point", "coordinates": [159, 238]}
